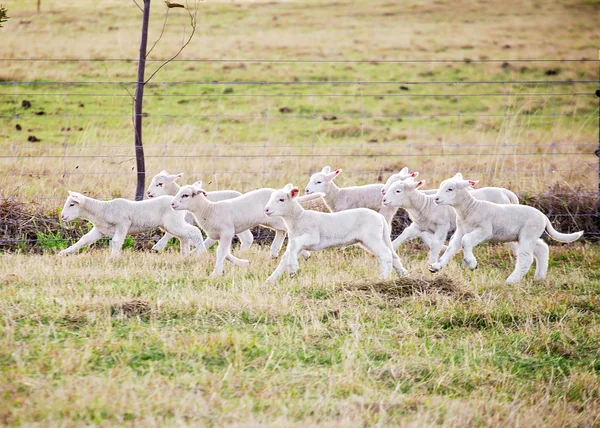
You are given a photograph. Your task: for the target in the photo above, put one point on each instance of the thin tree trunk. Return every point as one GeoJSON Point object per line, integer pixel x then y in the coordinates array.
{"type": "Point", "coordinates": [38, 5]}
{"type": "Point", "coordinates": [139, 97]}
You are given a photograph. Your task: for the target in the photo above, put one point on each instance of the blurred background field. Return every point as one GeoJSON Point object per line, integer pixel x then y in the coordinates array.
{"type": "Point", "coordinates": [304, 101]}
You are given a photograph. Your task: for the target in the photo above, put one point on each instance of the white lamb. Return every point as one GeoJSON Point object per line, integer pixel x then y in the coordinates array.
{"type": "Point", "coordinates": [312, 230]}
{"type": "Point", "coordinates": [497, 195]}
{"type": "Point", "coordinates": [223, 219]}
{"type": "Point", "coordinates": [119, 217]}
{"type": "Point", "coordinates": [430, 222]}
{"type": "Point", "coordinates": [345, 198]}
{"type": "Point", "coordinates": [164, 183]}
{"type": "Point", "coordinates": [479, 221]}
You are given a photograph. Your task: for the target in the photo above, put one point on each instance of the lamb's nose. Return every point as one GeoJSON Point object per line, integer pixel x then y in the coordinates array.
{"type": "Point", "coordinates": [306, 191]}
{"type": "Point", "coordinates": [172, 204]}
{"type": "Point", "coordinates": [437, 200]}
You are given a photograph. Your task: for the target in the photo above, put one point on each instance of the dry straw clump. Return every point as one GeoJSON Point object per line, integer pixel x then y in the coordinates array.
{"type": "Point", "coordinates": [409, 286]}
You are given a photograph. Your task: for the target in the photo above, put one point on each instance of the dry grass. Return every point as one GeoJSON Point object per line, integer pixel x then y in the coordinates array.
{"type": "Point", "coordinates": [149, 339]}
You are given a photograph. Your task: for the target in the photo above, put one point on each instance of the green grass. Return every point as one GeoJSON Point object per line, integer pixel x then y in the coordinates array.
{"type": "Point", "coordinates": [151, 340]}
{"type": "Point", "coordinates": [148, 339]}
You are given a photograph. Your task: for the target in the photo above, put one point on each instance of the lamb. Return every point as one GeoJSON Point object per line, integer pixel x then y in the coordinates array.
{"type": "Point", "coordinates": [164, 183]}
{"type": "Point", "coordinates": [479, 221]}
{"type": "Point", "coordinates": [223, 219]}
{"type": "Point", "coordinates": [340, 199]}
{"type": "Point", "coordinates": [314, 230]}
{"type": "Point", "coordinates": [430, 221]}
{"type": "Point", "coordinates": [497, 195]}
{"type": "Point", "coordinates": [119, 217]}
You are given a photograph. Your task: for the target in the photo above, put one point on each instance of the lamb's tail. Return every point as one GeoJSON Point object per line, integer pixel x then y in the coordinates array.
{"type": "Point", "coordinates": [512, 197]}
{"type": "Point", "coordinates": [561, 237]}
{"type": "Point", "coordinates": [310, 197]}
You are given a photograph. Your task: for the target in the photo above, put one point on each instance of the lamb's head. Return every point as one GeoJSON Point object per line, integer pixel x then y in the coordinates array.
{"type": "Point", "coordinates": [162, 184]}
{"type": "Point", "coordinates": [399, 192]}
{"type": "Point", "coordinates": [321, 181]}
{"type": "Point", "coordinates": [451, 188]}
{"type": "Point", "coordinates": [189, 195]}
{"type": "Point", "coordinates": [404, 174]}
{"type": "Point", "coordinates": [72, 206]}
{"type": "Point", "coordinates": [279, 202]}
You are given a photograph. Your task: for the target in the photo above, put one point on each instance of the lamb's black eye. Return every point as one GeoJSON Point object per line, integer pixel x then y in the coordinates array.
{"type": "Point", "coordinates": [184, 196]}
{"type": "Point", "coordinates": [450, 190]}
{"type": "Point", "coordinates": [72, 205]}
{"type": "Point", "coordinates": [397, 191]}
{"type": "Point", "coordinates": [159, 185]}
{"type": "Point", "coordinates": [319, 182]}
{"type": "Point", "coordinates": [281, 200]}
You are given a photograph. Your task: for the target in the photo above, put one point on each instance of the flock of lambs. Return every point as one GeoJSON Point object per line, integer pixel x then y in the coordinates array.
{"type": "Point", "coordinates": [360, 214]}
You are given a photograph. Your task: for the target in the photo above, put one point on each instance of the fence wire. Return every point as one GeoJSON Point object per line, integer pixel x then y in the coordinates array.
{"type": "Point", "coordinates": [527, 126]}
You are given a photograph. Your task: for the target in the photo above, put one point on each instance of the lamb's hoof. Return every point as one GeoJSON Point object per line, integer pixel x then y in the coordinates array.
{"type": "Point", "coordinates": [274, 256]}
{"type": "Point", "coordinates": [436, 267]}
{"type": "Point", "coordinates": [215, 274]}
{"type": "Point", "coordinates": [63, 253]}
{"type": "Point", "coordinates": [271, 280]}
{"type": "Point", "coordinates": [511, 281]}
{"type": "Point", "coordinates": [156, 249]}
{"type": "Point", "coordinates": [539, 278]}
{"type": "Point", "coordinates": [402, 272]}
{"type": "Point", "coordinates": [306, 255]}
{"type": "Point", "coordinates": [472, 264]}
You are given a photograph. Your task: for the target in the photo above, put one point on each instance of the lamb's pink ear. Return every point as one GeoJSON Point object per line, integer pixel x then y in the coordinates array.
{"type": "Point", "coordinates": [458, 176]}
{"type": "Point", "coordinates": [404, 171]}
{"type": "Point", "coordinates": [198, 184]}
{"type": "Point", "coordinates": [334, 174]}
{"type": "Point", "coordinates": [473, 182]}
{"type": "Point", "coordinates": [421, 183]}
{"type": "Point", "coordinates": [174, 177]}
{"type": "Point", "coordinates": [414, 174]}
{"type": "Point", "coordinates": [76, 196]}
{"type": "Point", "coordinates": [326, 169]}
{"type": "Point", "coordinates": [288, 187]}
{"type": "Point", "coordinates": [294, 192]}
{"type": "Point", "coordinates": [462, 184]}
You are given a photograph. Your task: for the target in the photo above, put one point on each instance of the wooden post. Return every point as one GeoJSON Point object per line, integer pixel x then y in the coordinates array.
{"type": "Point", "coordinates": [139, 97]}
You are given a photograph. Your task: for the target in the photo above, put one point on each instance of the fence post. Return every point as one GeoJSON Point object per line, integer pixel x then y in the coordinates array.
{"type": "Point", "coordinates": [598, 149]}
{"type": "Point", "coordinates": [139, 97]}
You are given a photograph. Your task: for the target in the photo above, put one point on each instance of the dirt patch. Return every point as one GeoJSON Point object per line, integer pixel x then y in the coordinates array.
{"type": "Point", "coordinates": [409, 286]}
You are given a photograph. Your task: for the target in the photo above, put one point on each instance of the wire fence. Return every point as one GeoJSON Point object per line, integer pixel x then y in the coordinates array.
{"type": "Point", "coordinates": [524, 124]}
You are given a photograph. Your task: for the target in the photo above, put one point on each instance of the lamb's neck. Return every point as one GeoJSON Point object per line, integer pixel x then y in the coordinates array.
{"type": "Point", "coordinates": [173, 189]}
{"type": "Point", "coordinates": [332, 196]}
{"type": "Point", "coordinates": [203, 209]}
{"type": "Point", "coordinates": [93, 210]}
{"type": "Point", "coordinates": [465, 204]}
{"type": "Point", "coordinates": [294, 213]}
{"type": "Point", "coordinates": [418, 203]}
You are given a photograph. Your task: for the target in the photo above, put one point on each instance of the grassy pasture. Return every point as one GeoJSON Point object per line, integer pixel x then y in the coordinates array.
{"type": "Point", "coordinates": [150, 340]}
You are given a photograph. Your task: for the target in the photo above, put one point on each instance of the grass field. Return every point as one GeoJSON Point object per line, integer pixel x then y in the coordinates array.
{"type": "Point", "coordinates": [150, 340]}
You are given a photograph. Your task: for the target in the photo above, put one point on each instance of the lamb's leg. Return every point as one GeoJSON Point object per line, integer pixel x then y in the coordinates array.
{"type": "Point", "coordinates": [471, 240]}
{"type": "Point", "coordinates": [280, 267]}
{"type": "Point", "coordinates": [118, 239]}
{"type": "Point", "coordinates": [186, 233]}
{"type": "Point", "coordinates": [209, 242]}
{"type": "Point", "coordinates": [296, 245]}
{"type": "Point", "coordinates": [384, 254]}
{"type": "Point", "coordinates": [87, 239]}
{"type": "Point", "coordinates": [541, 254]}
{"type": "Point", "coordinates": [453, 247]}
{"type": "Point", "coordinates": [222, 251]}
{"type": "Point", "coordinates": [524, 260]}
{"type": "Point", "coordinates": [407, 234]}
{"type": "Point", "coordinates": [162, 242]}
{"type": "Point", "coordinates": [277, 242]}
{"type": "Point", "coordinates": [246, 238]}
{"type": "Point", "coordinates": [238, 262]}
{"type": "Point", "coordinates": [437, 243]}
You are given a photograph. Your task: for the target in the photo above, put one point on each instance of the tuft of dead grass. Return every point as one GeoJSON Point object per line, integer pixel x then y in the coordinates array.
{"type": "Point", "coordinates": [131, 308]}
{"type": "Point", "coordinates": [409, 286]}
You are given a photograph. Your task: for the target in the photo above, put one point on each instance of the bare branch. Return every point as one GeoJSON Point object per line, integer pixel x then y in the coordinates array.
{"type": "Point", "coordinates": [193, 19]}
{"type": "Point", "coordinates": [161, 33]}
{"type": "Point", "coordinates": [139, 7]}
